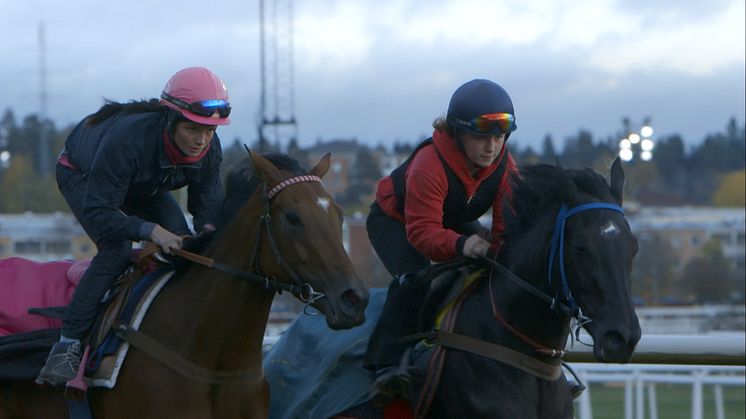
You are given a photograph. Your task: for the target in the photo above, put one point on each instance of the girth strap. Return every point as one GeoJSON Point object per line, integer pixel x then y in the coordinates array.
{"type": "Point", "coordinates": [183, 366]}
{"type": "Point", "coordinates": [498, 353]}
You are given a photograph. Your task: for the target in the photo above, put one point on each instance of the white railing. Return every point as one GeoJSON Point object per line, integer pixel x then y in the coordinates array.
{"type": "Point", "coordinates": [639, 379]}
{"type": "Point", "coordinates": [697, 360]}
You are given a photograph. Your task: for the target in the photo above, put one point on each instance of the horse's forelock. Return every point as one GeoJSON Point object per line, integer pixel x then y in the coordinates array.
{"type": "Point", "coordinates": [536, 194]}
{"type": "Point", "coordinates": [242, 180]}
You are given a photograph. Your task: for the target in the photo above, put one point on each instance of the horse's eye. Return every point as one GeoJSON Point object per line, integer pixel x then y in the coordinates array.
{"type": "Point", "coordinates": [293, 219]}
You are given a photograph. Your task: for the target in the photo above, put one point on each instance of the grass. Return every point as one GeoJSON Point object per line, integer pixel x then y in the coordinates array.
{"type": "Point", "coordinates": [674, 401]}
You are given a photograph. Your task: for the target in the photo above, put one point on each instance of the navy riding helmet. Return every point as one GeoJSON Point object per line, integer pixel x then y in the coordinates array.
{"type": "Point", "coordinates": [481, 107]}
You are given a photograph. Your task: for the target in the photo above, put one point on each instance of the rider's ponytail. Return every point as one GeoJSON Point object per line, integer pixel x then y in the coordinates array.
{"type": "Point", "coordinates": [111, 108]}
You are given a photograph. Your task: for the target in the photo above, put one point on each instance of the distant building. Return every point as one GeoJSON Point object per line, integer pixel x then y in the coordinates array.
{"type": "Point", "coordinates": [43, 237]}
{"type": "Point", "coordinates": [337, 180]}
{"type": "Point", "coordinates": [687, 229]}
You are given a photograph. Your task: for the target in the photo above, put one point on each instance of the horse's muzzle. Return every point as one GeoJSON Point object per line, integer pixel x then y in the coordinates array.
{"type": "Point", "coordinates": [613, 347]}
{"type": "Point", "coordinates": [348, 309]}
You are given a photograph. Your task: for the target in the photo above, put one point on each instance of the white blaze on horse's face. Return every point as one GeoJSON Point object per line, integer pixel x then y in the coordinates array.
{"type": "Point", "coordinates": [323, 203]}
{"type": "Point", "coordinates": [610, 229]}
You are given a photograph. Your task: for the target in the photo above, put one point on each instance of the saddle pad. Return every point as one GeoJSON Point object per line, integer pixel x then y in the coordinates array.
{"type": "Point", "coordinates": [107, 371]}
{"type": "Point", "coordinates": [26, 283]}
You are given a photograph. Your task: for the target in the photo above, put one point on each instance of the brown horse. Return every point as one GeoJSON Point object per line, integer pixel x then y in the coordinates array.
{"type": "Point", "coordinates": [288, 234]}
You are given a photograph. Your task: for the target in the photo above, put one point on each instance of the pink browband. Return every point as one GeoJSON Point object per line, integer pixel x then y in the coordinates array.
{"type": "Point", "coordinates": [291, 181]}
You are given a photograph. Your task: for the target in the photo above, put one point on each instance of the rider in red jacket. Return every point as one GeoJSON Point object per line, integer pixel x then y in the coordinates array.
{"type": "Point", "coordinates": [427, 210]}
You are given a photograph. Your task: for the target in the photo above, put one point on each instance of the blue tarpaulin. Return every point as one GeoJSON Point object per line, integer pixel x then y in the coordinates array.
{"type": "Point", "coordinates": [315, 372]}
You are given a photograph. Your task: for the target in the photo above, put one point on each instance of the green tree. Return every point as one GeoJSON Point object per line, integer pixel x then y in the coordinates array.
{"type": "Point", "coordinates": [579, 151]}
{"type": "Point", "coordinates": [548, 153]}
{"type": "Point", "coordinates": [652, 275]}
{"type": "Point", "coordinates": [643, 183]}
{"type": "Point", "coordinates": [23, 191]}
{"type": "Point", "coordinates": [732, 190]}
{"type": "Point", "coordinates": [295, 151]}
{"type": "Point", "coordinates": [365, 172]}
{"type": "Point", "coordinates": [708, 278]}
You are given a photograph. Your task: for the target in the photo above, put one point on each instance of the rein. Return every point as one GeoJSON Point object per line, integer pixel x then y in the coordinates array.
{"type": "Point", "coordinates": [567, 306]}
{"type": "Point", "coordinates": [303, 292]}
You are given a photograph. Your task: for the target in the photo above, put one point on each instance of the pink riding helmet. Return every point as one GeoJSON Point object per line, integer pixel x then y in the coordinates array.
{"type": "Point", "coordinates": [199, 95]}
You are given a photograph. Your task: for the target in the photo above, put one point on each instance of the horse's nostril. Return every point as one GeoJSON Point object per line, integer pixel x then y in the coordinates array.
{"type": "Point", "coordinates": [351, 301]}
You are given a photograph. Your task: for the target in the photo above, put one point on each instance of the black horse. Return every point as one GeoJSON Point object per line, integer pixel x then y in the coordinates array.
{"type": "Point", "coordinates": [568, 239]}
{"type": "Point", "coordinates": [497, 350]}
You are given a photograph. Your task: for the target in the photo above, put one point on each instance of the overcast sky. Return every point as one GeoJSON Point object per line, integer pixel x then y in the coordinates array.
{"type": "Point", "coordinates": [382, 70]}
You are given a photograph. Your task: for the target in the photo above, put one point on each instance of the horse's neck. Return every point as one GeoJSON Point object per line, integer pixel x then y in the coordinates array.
{"type": "Point", "coordinates": [524, 311]}
{"type": "Point", "coordinates": [227, 315]}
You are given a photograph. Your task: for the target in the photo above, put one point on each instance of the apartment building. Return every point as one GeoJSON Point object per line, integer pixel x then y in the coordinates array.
{"type": "Point", "coordinates": [44, 237]}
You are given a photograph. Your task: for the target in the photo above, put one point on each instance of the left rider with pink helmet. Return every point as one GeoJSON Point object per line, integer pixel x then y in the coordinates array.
{"type": "Point", "coordinates": [116, 172]}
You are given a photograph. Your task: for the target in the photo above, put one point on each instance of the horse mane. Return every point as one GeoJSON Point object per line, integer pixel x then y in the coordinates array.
{"type": "Point", "coordinates": [111, 107]}
{"type": "Point", "coordinates": [241, 181]}
{"type": "Point", "coordinates": [536, 195]}
{"type": "Point", "coordinates": [530, 215]}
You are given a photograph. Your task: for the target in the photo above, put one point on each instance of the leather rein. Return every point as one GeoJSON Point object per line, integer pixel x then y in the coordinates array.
{"type": "Point", "coordinates": [563, 305]}
{"type": "Point", "coordinates": [302, 290]}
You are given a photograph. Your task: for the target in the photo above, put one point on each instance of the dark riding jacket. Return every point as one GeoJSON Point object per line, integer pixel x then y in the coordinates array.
{"type": "Point", "coordinates": [433, 193]}
{"type": "Point", "coordinates": [124, 158]}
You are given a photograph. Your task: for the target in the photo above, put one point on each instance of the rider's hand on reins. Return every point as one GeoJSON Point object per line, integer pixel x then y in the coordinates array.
{"type": "Point", "coordinates": [165, 239]}
{"type": "Point", "coordinates": [475, 246]}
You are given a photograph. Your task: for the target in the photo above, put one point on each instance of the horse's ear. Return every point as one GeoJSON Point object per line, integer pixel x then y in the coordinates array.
{"type": "Point", "coordinates": [322, 166]}
{"type": "Point", "coordinates": [566, 185]}
{"type": "Point", "coordinates": [617, 180]}
{"type": "Point", "coordinates": [265, 169]}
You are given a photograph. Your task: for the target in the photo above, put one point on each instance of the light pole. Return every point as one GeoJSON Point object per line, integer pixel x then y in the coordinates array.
{"type": "Point", "coordinates": [640, 143]}
{"type": "Point", "coordinates": [4, 154]}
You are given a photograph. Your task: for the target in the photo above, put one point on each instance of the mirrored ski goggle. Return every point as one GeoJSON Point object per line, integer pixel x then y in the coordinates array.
{"type": "Point", "coordinates": [202, 107]}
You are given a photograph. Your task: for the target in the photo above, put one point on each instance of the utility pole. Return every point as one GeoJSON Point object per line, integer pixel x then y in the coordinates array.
{"type": "Point", "coordinates": [277, 125]}
{"type": "Point", "coordinates": [43, 96]}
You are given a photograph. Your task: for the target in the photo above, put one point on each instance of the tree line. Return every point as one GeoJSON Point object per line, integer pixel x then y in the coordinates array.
{"type": "Point", "coordinates": [710, 173]}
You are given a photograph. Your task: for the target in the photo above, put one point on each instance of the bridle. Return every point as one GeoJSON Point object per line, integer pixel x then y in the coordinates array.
{"type": "Point", "coordinates": [564, 304]}
{"type": "Point", "coordinates": [307, 295]}
{"type": "Point", "coordinates": [300, 289]}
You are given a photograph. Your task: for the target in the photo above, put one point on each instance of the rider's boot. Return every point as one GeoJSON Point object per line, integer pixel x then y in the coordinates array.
{"type": "Point", "coordinates": [387, 355]}
{"type": "Point", "coordinates": [62, 364]}
{"type": "Point", "coordinates": [396, 382]}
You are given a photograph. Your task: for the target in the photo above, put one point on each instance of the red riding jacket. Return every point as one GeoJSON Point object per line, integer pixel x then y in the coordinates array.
{"type": "Point", "coordinates": [433, 171]}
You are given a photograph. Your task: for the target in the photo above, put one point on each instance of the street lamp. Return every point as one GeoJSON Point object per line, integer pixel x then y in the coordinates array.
{"type": "Point", "coordinates": [637, 143]}
{"type": "Point", "coordinates": [4, 154]}
{"type": "Point", "coordinates": [4, 159]}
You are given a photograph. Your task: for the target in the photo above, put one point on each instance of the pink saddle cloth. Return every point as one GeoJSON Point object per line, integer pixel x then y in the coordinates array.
{"type": "Point", "coordinates": [25, 284]}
